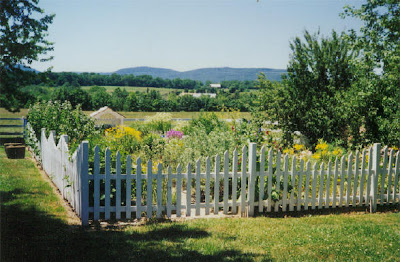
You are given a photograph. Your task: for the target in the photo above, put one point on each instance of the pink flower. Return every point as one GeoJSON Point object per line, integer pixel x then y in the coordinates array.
{"type": "Point", "coordinates": [174, 134]}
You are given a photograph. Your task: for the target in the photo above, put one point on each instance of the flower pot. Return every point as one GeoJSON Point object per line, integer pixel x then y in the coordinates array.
{"type": "Point", "coordinates": [15, 151]}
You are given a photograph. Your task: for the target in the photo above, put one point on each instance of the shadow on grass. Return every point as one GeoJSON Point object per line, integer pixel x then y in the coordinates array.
{"type": "Point", "coordinates": [28, 234]}
{"type": "Point", "coordinates": [328, 211]}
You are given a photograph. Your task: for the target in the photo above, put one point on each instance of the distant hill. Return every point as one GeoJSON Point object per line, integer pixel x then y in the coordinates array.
{"type": "Point", "coordinates": [204, 74]}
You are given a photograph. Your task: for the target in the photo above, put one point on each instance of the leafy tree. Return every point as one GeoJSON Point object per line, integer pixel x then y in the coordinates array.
{"type": "Point", "coordinates": [308, 100]}
{"type": "Point", "coordinates": [118, 98]}
{"type": "Point", "coordinates": [99, 97]}
{"type": "Point", "coordinates": [23, 30]}
{"type": "Point", "coordinates": [75, 95]}
{"type": "Point", "coordinates": [375, 97]}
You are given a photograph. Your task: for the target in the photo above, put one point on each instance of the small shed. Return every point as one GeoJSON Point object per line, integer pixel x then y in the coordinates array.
{"type": "Point", "coordinates": [215, 85]}
{"type": "Point", "coordinates": [106, 115]}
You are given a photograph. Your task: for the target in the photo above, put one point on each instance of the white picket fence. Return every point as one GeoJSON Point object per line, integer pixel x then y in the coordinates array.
{"type": "Point", "coordinates": [266, 182]}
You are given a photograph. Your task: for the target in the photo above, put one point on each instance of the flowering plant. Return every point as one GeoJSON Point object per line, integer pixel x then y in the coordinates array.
{"type": "Point", "coordinates": [174, 134]}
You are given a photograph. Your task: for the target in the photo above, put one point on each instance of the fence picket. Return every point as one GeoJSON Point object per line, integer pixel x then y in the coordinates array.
{"type": "Point", "coordinates": [96, 178]}
{"type": "Point", "coordinates": [207, 191]}
{"type": "Point", "coordinates": [293, 180]}
{"type": "Point", "coordinates": [369, 176]}
{"type": "Point", "coordinates": [118, 187]}
{"type": "Point", "coordinates": [362, 179]}
{"type": "Point", "coordinates": [198, 192]}
{"type": "Point", "coordinates": [390, 169]}
{"type": "Point", "coordinates": [216, 184]}
{"type": "Point", "coordinates": [300, 185]}
{"type": "Point", "coordinates": [328, 184]}
{"type": "Point", "coordinates": [321, 185]}
{"type": "Point", "coordinates": [375, 175]}
{"type": "Point", "coordinates": [396, 177]}
{"type": "Point", "coordinates": [349, 176]}
{"type": "Point", "coordinates": [138, 188]}
{"type": "Point", "coordinates": [252, 177]}
{"type": "Point", "coordinates": [314, 187]}
{"type": "Point", "coordinates": [149, 194]}
{"type": "Point", "coordinates": [383, 175]}
{"type": "Point", "coordinates": [234, 181]}
{"type": "Point", "coordinates": [356, 177]}
{"type": "Point", "coordinates": [226, 181]}
{"type": "Point", "coordinates": [243, 181]}
{"type": "Point", "coordinates": [342, 178]}
{"type": "Point", "coordinates": [262, 180]}
{"type": "Point", "coordinates": [178, 190]}
{"type": "Point", "coordinates": [188, 191]}
{"type": "Point", "coordinates": [128, 200]}
{"type": "Point", "coordinates": [285, 182]}
{"type": "Point", "coordinates": [307, 185]}
{"type": "Point", "coordinates": [269, 180]}
{"type": "Point", "coordinates": [169, 192]}
{"type": "Point", "coordinates": [107, 203]}
{"type": "Point", "coordinates": [278, 178]}
{"type": "Point", "coordinates": [159, 190]}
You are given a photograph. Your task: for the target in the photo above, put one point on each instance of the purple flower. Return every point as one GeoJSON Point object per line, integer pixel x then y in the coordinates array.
{"type": "Point", "coordinates": [174, 134]}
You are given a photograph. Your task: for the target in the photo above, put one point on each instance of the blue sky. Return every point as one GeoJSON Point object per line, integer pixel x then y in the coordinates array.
{"type": "Point", "coordinates": [104, 35]}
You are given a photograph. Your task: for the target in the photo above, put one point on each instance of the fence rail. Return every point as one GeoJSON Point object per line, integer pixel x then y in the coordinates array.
{"type": "Point", "coordinates": [12, 126]}
{"type": "Point", "coordinates": [244, 182]}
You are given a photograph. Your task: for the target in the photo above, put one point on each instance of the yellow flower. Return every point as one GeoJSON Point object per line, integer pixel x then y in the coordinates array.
{"type": "Point", "coordinates": [286, 150]}
{"type": "Point", "coordinates": [337, 152]}
{"type": "Point", "coordinates": [298, 147]}
{"type": "Point", "coordinates": [316, 156]}
{"type": "Point", "coordinates": [322, 146]}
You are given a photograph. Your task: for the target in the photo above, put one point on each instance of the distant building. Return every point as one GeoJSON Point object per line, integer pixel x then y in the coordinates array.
{"type": "Point", "coordinates": [215, 85]}
{"type": "Point", "coordinates": [197, 95]}
{"type": "Point", "coordinates": [106, 115]}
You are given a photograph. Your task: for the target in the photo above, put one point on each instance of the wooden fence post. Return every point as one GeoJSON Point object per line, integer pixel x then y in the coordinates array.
{"type": "Point", "coordinates": [84, 181]}
{"type": "Point", "coordinates": [252, 178]}
{"type": "Point", "coordinates": [375, 175]}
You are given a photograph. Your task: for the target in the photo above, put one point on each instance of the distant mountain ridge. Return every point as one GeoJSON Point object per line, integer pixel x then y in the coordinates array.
{"type": "Point", "coordinates": [205, 74]}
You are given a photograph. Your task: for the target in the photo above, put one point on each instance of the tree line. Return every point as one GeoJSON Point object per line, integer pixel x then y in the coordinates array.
{"type": "Point", "coordinates": [149, 101]}
{"type": "Point", "coordinates": [91, 79]}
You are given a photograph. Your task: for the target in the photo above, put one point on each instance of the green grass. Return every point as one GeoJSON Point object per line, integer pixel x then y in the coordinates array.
{"type": "Point", "coordinates": [34, 227]}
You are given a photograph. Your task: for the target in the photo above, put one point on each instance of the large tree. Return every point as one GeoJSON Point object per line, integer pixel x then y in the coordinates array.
{"type": "Point", "coordinates": [375, 95]}
{"type": "Point", "coordinates": [23, 31]}
{"type": "Point", "coordinates": [308, 100]}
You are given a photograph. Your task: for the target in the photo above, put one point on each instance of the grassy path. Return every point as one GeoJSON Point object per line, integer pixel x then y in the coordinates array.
{"type": "Point", "coordinates": [35, 227]}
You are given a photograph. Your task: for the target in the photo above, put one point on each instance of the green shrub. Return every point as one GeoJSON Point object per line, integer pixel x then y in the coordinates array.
{"type": "Point", "coordinates": [63, 119]}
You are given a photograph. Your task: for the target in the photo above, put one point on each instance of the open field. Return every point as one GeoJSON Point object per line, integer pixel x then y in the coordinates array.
{"type": "Point", "coordinates": [4, 113]}
{"type": "Point", "coordinates": [163, 91]}
{"type": "Point", "coordinates": [35, 224]}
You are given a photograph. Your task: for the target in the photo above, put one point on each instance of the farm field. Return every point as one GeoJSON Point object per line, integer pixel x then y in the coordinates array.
{"type": "Point", "coordinates": [4, 114]}
{"type": "Point", "coordinates": [163, 91]}
{"type": "Point", "coordinates": [36, 224]}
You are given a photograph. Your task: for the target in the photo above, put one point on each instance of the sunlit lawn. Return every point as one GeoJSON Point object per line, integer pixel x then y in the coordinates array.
{"type": "Point", "coordinates": [34, 227]}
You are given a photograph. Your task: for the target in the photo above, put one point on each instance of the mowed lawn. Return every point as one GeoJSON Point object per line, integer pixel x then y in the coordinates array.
{"type": "Point", "coordinates": [35, 227]}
